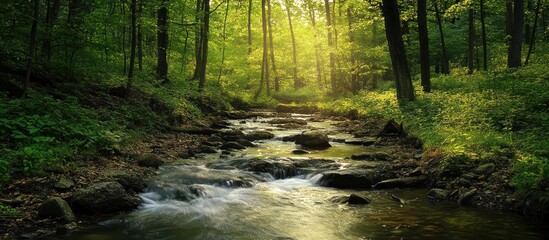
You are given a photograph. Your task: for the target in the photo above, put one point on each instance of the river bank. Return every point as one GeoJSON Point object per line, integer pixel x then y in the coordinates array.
{"type": "Point", "coordinates": [403, 166]}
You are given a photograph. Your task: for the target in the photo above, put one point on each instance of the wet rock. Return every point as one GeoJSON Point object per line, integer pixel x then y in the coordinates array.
{"type": "Point", "coordinates": [246, 143]}
{"type": "Point", "coordinates": [225, 152]}
{"type": "Point", "coordinates": [469, 176]}
{"type": "Point", "coordinates": [338, 140]}
{"type": "Point", "coordinates": [485, 169]}
{"type": "Point", "coordinates": [416, 172]}
{"type": "Point", "coordinates": [220, 125]}
{"type": "Point", "coordinates": [300, 151]}
{"type": "Point", "coordinates": [352, 199]}
{"type": "Point", "coordinates": [231, 135]}
{"type": "Point", "coordinates": [463, 182]}
{"type": "Point", "coordinates": [437, 194]}
{"type": "Point", "coordinates": [291, 126]}
{"type": "Point", "coordinates": [358, 200]}
{"type": "Point", "coordinates": [418, 156]}
{"type": "Point", "coordinates": [347, 179]}
{"type": "Point", "coordinates": [467, 197]}
{"type": "Point", "coordinates": [232, 146]}
{"type": "Point", "coordinates": [404, 182]}
{"type": "Point", "coordinates": [64, 184]}
{"type": "Point", "coordinates": [211, 144]}
{"type": "Point", "coordinates": [314, 139]}
{"type": "Point", "coordinates": [207, 149]}
{"type": "Point", "coordinates": [291, 138]}
{"type": "Point", "coordinates": [57, 208]}
{"type": "Point", "coordinates": [215, 138]}
{"type": "Point", "coordinates": [192, 175]}
{"type": "Point", "coordinates": [287, 121]}
{"type": "Point", "coordinates": [133, 181]}
{"type": "Point", "coordinates": [259, 135]}
{"type": "Point", "coordinates": [278, 169]}
{"type": "Point", "coordinates": [392, 128]}
{"type": "Point", "coordinates": [149, 160]}
{"type": "Point", "coordinates": [371, 156]}
{"type": "Point", "coordinates": [184, 155]}
{"type": "Point", "coordinates": [104, 197]}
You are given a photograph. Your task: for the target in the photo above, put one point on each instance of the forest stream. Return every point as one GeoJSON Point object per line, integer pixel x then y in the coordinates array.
{"type": "Point", "coordinates": [268, 192]}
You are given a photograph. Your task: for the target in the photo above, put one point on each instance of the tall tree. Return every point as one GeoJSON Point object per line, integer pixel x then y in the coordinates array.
{"type": "Point", "coordinates": [533, 38]}
{"type": "Point", "coordinates": [32, 46]}
{"type": "Point", "coordinates": [265, 62]}
{"type": "Point", "coordinates": [139, 37]}
{"type": "Point", "coordinates": [515, 49]}
{"type": "Point", "coordinates": [423, 45]}
{"type": "Point", "coordinates": [471, 41]}
{"type": "Point", "coordinates": [271, 50]}
{"type": "Point", "coordinates": [484, 41]}
{"type": "Point", "coordinates": [297, 84]}
{"type": "Point", "coordinates": [224, 35]}
{"type": "Point", "coordinates": [249, 27]}
{"type": "Point", "coordinates": [204, 44]}
{"type": "Point", "coordinates": [329, 26]}
{"type": "Point", "coordinates": [52, 14]}
{"type": "Point", "coordinates": [444, 58]}
{"type": "Point", "coordinates": [311, 8]}
{"type": "Point", "coordinates": [401, 70]}
{"type": "Point", "coordinates": [354, 80]}
{"type": "Point", "coordinates": [132, 48]}
{"type": "Point", "coordinates": [162, 43]}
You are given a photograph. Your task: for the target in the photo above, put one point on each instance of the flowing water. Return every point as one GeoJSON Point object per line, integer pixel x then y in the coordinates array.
{"type": "Point", "coordinates": [209, 198]}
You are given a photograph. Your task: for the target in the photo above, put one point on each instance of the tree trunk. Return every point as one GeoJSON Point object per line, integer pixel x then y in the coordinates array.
{"type": "Point", "coordinates": [224, 42]}
{"type": "Point", "coordinates": [32, 46]}
{"type": "Point", "coordinates": [471, 41]}
{"type": "Point", "coordinates": [445, 61]}
{"type": "Point", "coordinates": [403, 80]}
{"type": "Point", "coordinates": [199, 18]}
{"type": "Point", "coordinates": [514, 58]}
{"type": "Point", "coordinates": [317, 45]}
{"type": "Point", "coordinates": [249, 27]}
{"type": "Point", "coordinates": [132, 48]}
{"type": "Point", "coordinates": [52, 14]}
{"type": "Point", "coordinates": [270, 30]}
{"type": "Point", "coordinates": [423, 45]}
{"type": "Point", "coordinates": [533, 38]}
{"type": "Point", "coordinates": [297, 83]}
{"type": "Point", "coordinates": [354, 77]}
{"type": "Point", "coordinates": [265, 62]}
{"type": "Point", "coordinates": [140, 38]}
{"type": "Point", "coordinates": [527, 22]}
{"type": "Point", "coordinates": [162, 44]}
{"type": "Point", "coordinates": [330, 46]}
{"type": "Point", "coordinates": [204, 45]}
{"type": "Point", "coordinates": [484, 41]}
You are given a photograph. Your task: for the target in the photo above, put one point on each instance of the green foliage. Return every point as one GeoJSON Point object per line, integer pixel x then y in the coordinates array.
{"type": "Point", "coordinates": [40, 131]}
{"type": "Point", "coordinates": [532, 177]}
{"type": "Point", "coordinates": [7, 211]}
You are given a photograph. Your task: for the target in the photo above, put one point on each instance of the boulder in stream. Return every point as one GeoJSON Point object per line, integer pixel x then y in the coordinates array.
{"type": "Point", "coordinates": [259, 135]}
{"type": "Point", "coordinates": [437, 194]}
{"type": "Point", "coordinates": [353, 199]}
{"type": "Point", "coordinates": [314, 139]}
{"type": "Point", "coordinates": [357, 179]}
{"type": "Point", "coordinates": [104, 197]}
{"type": "Point", "coordinates": [149, 160]}
{"type": "Point", "coordinates": [232, 146]}
{"type": "Point", "coordinates": [278, 169]}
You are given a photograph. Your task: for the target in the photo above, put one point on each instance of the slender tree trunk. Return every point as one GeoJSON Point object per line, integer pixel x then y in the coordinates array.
{"type": "Point", "coordinates": [271, 50]}
{"type": "Point", "coordinates": [249, 27]}
{"type": "Point", "coordinates": [514, 58]}
{"type": "Point", "coordinates": [331, 46]}
{"type": "Point", "coordinates": [52, 15]}
{"type": "Point", "coordinates": [132, 48]}
{"type": "Point", "coordinates": [199, 18]}
{"type": "Point", "coordinates": [354, 82]}
{"type": "Point", "coordinates": [533, 38]}
{"type": "Point", "coordinates": [484, 40]}
{"type": "Point", "coordinates": [471, 41]}
{"type": "Point", "coordinates": [297, 83]}
{"type": "Point", "coordinates": [445, 61]}
{"type": "Point", "coordinates": [139, 38]}
{"type": "Point", "coordinates": [509, 26]}
{"type": "Point", "coordinates": [224, 42]}
{"type": "Point", "coordinates": [317, 45]}
{"type": "Point", "coordinates": [162, 44]}
{"type": "Point", "coordinates": [423, 45]}
{"type": "Point", "coordinates": [527, 22]}
{"type": "Point", "coordinates": [32, 46]}
{"type": "Point", "coordinates": [265, 62]}
{"type": "Point", "coordinates": [204, 46]}
{"type": "Point", "coordinates": [403, 80]}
